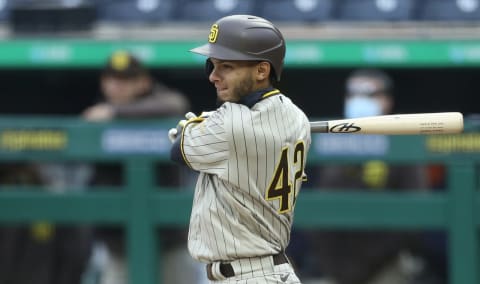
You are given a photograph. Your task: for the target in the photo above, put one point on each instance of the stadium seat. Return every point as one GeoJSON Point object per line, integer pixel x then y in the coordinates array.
{"type": "Point", "coordinates": [51, 16]}
{"type": "Point", "coordinates": [211, 10]}
{"type": "Point", "coordinates": [376, 10]}
{"type": "Point", "coordinates": [135, 11]}
{"type": "Point", "coordinates": [449, 10]}
{"type": "Point", "coordinates": [6, 8]}
{"type": "Point", "coordinates": [297, 10]}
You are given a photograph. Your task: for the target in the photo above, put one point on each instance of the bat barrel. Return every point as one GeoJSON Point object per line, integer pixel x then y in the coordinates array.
{"type": "Point", "coordinates": [417, 123]}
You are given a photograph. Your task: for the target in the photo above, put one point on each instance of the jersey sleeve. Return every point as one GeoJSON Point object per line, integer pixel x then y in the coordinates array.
{"type": "Point", "coordinates": [204, 145]}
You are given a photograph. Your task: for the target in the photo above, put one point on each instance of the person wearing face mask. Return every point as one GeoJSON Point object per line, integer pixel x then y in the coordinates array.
{"type": "Point", "coordinates": [369, 256]}
{"type": "Point", "coordinates": [368, 93]}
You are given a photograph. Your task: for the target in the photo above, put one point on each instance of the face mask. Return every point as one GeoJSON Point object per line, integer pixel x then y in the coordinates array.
{"type": "Point", "coordinates": [361, 106]}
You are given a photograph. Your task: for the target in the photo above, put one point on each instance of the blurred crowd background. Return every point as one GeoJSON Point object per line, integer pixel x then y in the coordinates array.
{"type": "Point", "coordinates": [126, 84]}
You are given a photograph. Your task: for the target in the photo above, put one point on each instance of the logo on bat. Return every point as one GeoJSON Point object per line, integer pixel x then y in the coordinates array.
{"type": "Point", "coordinates": [345, 127]}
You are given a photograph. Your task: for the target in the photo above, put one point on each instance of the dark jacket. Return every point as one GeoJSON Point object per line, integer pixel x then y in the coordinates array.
{"type": "Point", "coordinates": [157, 103]}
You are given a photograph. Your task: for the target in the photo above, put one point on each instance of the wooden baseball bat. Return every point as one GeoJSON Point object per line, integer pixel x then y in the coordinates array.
{"type": "Point", "coordinates": [415, 123]}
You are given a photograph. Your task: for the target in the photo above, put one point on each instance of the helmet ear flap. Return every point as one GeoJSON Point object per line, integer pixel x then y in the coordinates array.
{"type": "Point", "coordinates": [208, 67]}
{"type": "Point", "coordinates": [273, 75]}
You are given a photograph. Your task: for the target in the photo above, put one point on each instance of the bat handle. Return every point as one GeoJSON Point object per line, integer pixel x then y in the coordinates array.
{"type": "Point", "coordinates": [319, 126]}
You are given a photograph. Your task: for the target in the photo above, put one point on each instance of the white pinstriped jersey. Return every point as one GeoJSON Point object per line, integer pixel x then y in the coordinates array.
{"type": "Point", "coordinates": [251, 162]}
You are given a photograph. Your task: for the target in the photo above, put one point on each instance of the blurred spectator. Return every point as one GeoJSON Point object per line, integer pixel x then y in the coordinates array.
{"type": "Point", "coordinates": [40, 252]}
{"type": "Point", "coordinates": [373, 256]}
{"type": "Point", "coordinates": [129, 91]}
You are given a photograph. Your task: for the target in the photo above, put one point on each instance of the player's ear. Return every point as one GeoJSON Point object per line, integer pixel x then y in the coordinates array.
{"type": "Point", "coordinates": [263, 70]}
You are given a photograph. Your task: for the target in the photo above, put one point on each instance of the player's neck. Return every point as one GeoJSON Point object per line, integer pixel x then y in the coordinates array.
{"type": "Point", "coordinates": [261, 85]}
{"type": "Point", "coordinates": [258, 95]}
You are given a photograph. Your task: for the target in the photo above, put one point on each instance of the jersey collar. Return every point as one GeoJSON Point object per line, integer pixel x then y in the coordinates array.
{"type": "Point", "coordinates": [253, 98]}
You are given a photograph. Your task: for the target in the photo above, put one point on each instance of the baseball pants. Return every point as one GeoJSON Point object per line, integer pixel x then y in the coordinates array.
{"type": "Point", "coordinates": [259, 270]}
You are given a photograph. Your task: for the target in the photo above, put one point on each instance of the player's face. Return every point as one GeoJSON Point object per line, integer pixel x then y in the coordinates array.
{"type": "Point", "coordinates": [233, 79]}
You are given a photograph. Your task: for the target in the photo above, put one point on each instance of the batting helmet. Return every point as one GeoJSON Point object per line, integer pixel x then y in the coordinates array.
{"type": "Point", "coordinates": [245, 37]}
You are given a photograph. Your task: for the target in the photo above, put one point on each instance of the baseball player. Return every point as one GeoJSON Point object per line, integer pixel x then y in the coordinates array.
{"type": "Point", "coordinates": [250, 154]}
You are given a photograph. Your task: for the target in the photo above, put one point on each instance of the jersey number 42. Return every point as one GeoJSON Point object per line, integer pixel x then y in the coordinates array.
{"type": "Point", "coordinates": [282, 186]}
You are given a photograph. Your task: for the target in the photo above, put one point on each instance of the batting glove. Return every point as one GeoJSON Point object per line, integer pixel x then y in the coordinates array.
{"type": "Point", "coordinates": [173, 132]}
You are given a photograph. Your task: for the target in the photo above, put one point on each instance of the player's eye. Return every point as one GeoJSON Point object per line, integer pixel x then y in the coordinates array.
{"type": "Point", "coordinates": [227, 66]}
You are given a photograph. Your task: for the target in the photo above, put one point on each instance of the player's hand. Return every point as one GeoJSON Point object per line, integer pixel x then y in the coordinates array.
{"type": "Point", "coordinates": [173, 132]}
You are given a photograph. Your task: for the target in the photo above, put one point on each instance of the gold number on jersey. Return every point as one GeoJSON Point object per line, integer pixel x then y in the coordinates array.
{"type": "Point", "coordinates": [298, 157]}
{"type": "Point", "coordinates": [281, 185]}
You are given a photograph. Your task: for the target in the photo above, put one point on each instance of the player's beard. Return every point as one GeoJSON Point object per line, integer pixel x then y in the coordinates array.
{"type": "Point", "coordinates": [241, 89]}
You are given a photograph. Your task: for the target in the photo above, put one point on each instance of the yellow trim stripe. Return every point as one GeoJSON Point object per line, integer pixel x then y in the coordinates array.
{"type": "Point", "coordinates": [192, 120]}
{"type": "Point", "coordinates": [274, 92]}
{"type": "Point", "coordinates": [195, 119]}
{"type": "Point", "coordinates": [182, 150]}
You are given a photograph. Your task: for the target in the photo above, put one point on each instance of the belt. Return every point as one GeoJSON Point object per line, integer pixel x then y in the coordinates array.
{"type": "Point", "coordinates": [227, 269]}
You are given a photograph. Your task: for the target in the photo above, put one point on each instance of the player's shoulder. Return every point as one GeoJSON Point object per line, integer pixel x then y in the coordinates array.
{"type": "Point", "coordinates": [230, 108]}
{"type": "Point", "coordinates": [282, 101]}
{"type": "Point", "coordinates": [294, 110]}
{"type": "Point", "coordinates": [230, 111]}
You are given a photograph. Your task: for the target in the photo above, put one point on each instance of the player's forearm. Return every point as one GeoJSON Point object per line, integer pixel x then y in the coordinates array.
{"type": "Point", "coordinates": [176, 154]}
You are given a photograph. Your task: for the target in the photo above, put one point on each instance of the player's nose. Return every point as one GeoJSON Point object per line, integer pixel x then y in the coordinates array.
{"type": "Point", "coordinates": [213, 76]}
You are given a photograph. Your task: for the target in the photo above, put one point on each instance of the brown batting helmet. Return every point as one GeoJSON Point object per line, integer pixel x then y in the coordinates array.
{"type": "Point", "coordinates": [245, 37]}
